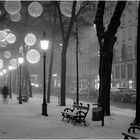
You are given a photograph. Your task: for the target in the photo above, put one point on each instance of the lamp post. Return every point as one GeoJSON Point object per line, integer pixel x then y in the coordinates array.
{"type": "Point", "coordinates": [10, 69]}
{"type": "Point", "coordinates": [20, 61]}
{"type": "Point", "coordinates": [44, 46]}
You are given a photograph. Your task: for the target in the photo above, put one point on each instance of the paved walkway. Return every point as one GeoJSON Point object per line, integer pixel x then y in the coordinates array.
{"type": "Point", "coordinates": [25, 121]}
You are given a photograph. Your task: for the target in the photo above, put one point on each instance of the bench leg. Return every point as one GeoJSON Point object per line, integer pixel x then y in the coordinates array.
{"type": "Point", "coordinates": [74, 122]}
{"type": "Point", "coordinates": [68, 120]}
{"type": "Point", "coordinates": [63, 118]}
{"type": "Point", "coordinates": [126, 138]}
{"type": "Point", "coordinates": [85, 123]}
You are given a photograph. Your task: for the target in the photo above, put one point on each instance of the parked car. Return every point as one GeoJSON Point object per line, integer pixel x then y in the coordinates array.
{"type": "Point", "coordinates": [72, 90]}
{"type": "Point", "coordinates": [122, 89]}
{"type": "Point", "coordinates": [84, 91]}
{"type": "Point", "coordinates": [123, 94]}
{"type": "Point", "coordinates": [114, 89]}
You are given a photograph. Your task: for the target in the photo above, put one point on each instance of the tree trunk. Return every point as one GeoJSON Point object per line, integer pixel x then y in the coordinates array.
{"type": "Point", "coordinates": [65, 38]}
{"type": "Point", "coordinates": [50, 72]}
{"type": "Point", "coordinates": [77, 70]}
{"type": "Point", "coordinates": [63, 76]}
{"type": "Point", "coordinates": [138, 76]}
{"type": "Point", "coordinates": [107, 40]}
{"type": "Point", "coordinates": [137, 115]}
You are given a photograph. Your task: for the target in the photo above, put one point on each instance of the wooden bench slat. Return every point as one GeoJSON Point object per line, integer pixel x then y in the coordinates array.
{"type": "Point", "coordinates": [80, 107]}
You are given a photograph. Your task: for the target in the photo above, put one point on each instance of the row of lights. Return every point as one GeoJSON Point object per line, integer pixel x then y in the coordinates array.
{"type": "Point", "coordinates": [15, 9]}
{"type": "Point", "coordinates": [10, 68]}
{"type": "Point", "coordinates": [4, 71]}
{"type": "Point", "coordinates": [44, 46]}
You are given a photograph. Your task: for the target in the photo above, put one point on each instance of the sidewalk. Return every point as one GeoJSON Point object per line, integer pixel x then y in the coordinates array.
{"type": "Point", "coordinates": [18, 121]}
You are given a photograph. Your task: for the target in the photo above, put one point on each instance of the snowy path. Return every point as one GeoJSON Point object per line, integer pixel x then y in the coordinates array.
{"type": "Point", "coordinates": [25, 121]}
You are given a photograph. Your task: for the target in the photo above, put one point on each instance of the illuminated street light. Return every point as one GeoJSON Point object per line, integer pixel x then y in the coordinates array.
{"type": "Point", "coordinates": [20, 61]}
{"type": "Point", "coordinates": [4, 71]}
{"type": "Point", "coordinates": [54, 75]}
{"type": "Point", "coordinates": [1, 73]}
{"type": "Point", "coordinates": [44, 46]}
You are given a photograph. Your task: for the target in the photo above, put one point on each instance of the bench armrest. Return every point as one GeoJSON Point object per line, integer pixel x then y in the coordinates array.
{"type": "Point", "coordinates": [97, 104]}
{"type": "Point", "coordinates": [68, 109]}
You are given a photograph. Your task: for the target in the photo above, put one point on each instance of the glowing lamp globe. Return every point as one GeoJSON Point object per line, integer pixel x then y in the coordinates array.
{"type": "Point", "coordinates": [12, 7]}
{"type": "Point", "coordinates": [1, 63]}
{"type": "Point", "coordinates": [35, 9]}
{"type": "Point", "coordinates": [11, 38]}
{"type": "Point", "coordinates": [33, 56]}
{"type": "Point", "coordinates": [10, 67]}
{"type": "Point", "coordinates": [15, 17]}
{"type": "Point", "coordinates": [4, 71]}
{"type": "Point", "coordinates": [66, 7]}
{"type": "Point", "coordinates": [30, 39]}
{"type": "Point", "coordinates": [20, 60]}
{"type": "Point", "coordinates": [44, 44]}
{"type": "Point", "coordinates": [1, 73]}
{"type": "Point", "coordinates": [7, 54]}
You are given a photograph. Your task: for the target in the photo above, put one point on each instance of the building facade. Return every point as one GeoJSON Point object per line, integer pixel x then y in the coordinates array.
{"type": "Point", "coordinates": [124, 55]}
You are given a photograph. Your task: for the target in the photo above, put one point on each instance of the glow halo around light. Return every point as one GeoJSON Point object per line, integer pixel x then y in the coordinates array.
{"type": "Point", "coordinates": [30, 39]}
{"type": "Point", "coordinates": [33, 56]}
{"type": "Point", "coordinates": [13, 63]}
{"type": "Point", "coordinates": [7, 54]}
{"type": "Point", "coordinates": [7, 31]}
{"type": "Point", "coordinates": [11, 38]}
{"type": "Point", "coordinates": [1, 63]}
{"type": "Point", "coordinates": [66, 7]}
{"type": "Point", "coordinates": [3, 44]}
{"type": "Point", "coordinates": [3, 35]}
{"type": "Point", "coordinates": [12, 7]}
{"type": "Point", "coordinates": [15, 17]}
{"type": "Point", "coordinates": [35, 9]}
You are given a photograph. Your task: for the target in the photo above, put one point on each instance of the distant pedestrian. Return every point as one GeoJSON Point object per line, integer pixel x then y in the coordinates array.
{"type": "Point", "coordinates": [5, 94]}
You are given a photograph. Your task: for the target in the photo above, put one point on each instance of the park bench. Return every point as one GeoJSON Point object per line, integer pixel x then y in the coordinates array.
{"type": "Point", "coordinates": [132, 135]}
{"type": "Point", "coordinates": [24, 98]}
{"type": "Point", "coordinates": [77, 114]}
{"type": "Point", "coordinates": [129, 136]}
{"type": "Point", "coordinates": [133, 127]}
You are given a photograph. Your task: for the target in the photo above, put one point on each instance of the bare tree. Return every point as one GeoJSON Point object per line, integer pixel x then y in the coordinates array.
{"type": "Point", "coordinates": [137, 115]}
{"type": "Point", "coordinates": [66, 34]}
{"type": "Point", "coordinates": [107, 40]}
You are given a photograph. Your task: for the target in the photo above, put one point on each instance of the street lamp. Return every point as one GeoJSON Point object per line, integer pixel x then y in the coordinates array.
{"type": "Point", "coordinates": [20, 61]}
{"type": "Point", "coordinates": [4, 71]}
{"type": "Point", "coordinates": [10, 69]}
{"type": "Point", "coordinates": [44, 46]}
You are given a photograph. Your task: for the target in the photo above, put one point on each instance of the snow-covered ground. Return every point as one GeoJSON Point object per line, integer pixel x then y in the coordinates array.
{"type": "Point", "coordinates": [18, 121]}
